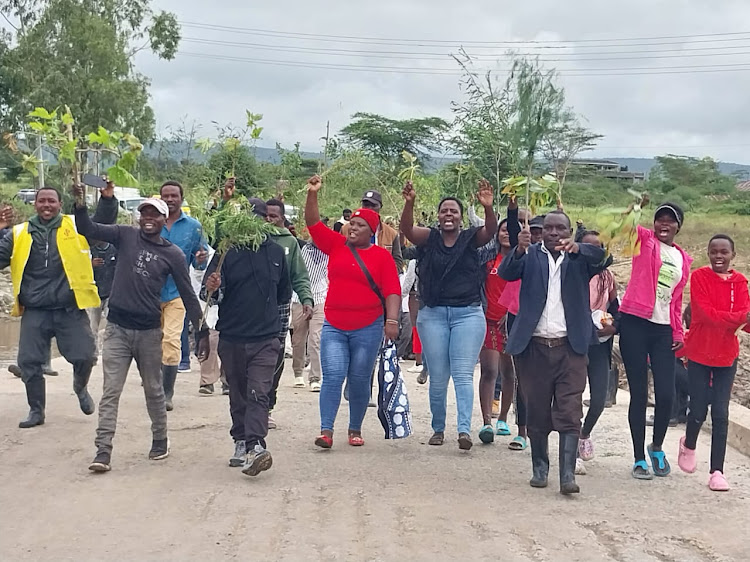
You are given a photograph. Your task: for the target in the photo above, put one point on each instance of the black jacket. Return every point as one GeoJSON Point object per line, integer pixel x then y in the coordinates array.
{"type": "Point", "coordinates": [253, 285]}
{"type": "Point", "coordinates": [533, 268]}
{"type": "Point", "coordinates": [44, 284]}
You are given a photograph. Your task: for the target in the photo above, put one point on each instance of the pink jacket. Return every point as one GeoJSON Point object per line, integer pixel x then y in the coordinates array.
{"type": "Point", "coordinates": [640, 296]}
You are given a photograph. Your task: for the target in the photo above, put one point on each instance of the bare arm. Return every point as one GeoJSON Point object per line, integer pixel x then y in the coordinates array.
{"type": "Point", "coordinates": [417, 235]}
{"type": "Point", "coordinates": [489, 230]}
{"type": "Point", "coordinates": [312, 211]}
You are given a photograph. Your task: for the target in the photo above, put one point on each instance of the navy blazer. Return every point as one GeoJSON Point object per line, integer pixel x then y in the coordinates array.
{"type": "Point", "coordinates": [532, 268]}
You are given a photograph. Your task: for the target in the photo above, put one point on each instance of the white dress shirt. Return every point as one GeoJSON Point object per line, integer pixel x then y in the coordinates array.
{"type": "Point", "coordinates": [552, 322]}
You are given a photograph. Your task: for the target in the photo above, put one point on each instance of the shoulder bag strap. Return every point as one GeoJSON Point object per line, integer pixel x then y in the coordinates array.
{"type": "Point", "coordinates": [370, 280]}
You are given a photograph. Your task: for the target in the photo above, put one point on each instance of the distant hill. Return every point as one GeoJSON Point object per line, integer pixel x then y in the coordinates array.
{"type": "Point", "coordinates": [645, 164]}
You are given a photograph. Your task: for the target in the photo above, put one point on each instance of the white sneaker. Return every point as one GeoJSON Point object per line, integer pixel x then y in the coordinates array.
{"type": "Point", "coordinates": [414, 369]}
{"type": "Point", "coordinates": [580, 468]}
{"type": "Point", "coordinates": [315, 386]}
{"type": "Point", "coordinates": [299, 382]}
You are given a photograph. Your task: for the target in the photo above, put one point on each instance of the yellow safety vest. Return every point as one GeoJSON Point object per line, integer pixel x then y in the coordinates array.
{"type": "Point", "coordinates": [76, 261]}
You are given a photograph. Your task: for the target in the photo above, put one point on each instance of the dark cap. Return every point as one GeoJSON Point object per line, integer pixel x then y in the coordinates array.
{"type": "Point", "coordinates": [259, 206]}
{"type": "Point", "coordinates": [670, 209]}
{"type": "Point", "coordinates": [373, 197]}
{"type": "Point", "coordinates": [536, 222]}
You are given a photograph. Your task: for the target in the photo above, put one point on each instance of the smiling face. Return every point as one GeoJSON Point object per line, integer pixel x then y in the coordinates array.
{"type": "Point", "coordinates": [449, 216]}
{"type": "Point", "coordinates": [151, 221]}
{"type": "Point", "coordinates": [502, 235]}
{"type": "Point", "coordinates": [556, 228]}
{"type": "Point", "coordinates": [666, 227]}
{"type": "Point", "coordinates": [720, 255]}
{"type": "Point", "coordinates": [47, 204]}
{"type": "Point", "coordinates": [360, 233]}
{"type": "Point", "coordinates": [171, 195]}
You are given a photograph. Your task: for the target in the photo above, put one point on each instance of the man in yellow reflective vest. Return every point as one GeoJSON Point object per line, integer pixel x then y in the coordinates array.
{"type": "Point", "coordinates": [53, 284]}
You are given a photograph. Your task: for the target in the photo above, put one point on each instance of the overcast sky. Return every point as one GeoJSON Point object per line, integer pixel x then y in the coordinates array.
{"type": "Point", "coordinates": [697, 113]}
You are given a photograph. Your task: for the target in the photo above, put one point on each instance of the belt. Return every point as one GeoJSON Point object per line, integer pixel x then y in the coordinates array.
{"type": "Point", "coordinates": [550, 342]}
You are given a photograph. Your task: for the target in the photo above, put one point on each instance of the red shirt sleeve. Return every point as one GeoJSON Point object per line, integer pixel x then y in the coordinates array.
{"type": "Point", "coordinates": [325, 238]}
{"type": "Point", "coordinates": [704, 308]}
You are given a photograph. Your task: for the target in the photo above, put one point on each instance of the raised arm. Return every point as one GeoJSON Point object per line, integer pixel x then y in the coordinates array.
{"type": "Point", "coordinates": [417, 235]}
{"type": "Point", "coordinates": [312, 212]}
{"type": "Point", "coordinates": [107, 207]}
{"type": "Point", "coordinates": [489, 230]}
{"type": "Point", "coordinates": [93, 231]}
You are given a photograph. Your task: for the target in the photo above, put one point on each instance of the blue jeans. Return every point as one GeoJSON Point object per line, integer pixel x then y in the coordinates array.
{"type": "Point", "coordinates": [451, 340]}
{"type": "Point", "coordinates": [350, 355]}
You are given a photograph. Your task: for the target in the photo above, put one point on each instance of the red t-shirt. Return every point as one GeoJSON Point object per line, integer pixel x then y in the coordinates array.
{"type": "Point", "coordinates": [351, 303]}
{"type": "Point", "coordinates": [493, 289]}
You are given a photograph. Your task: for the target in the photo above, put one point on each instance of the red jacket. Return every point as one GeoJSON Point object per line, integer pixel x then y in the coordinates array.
{"type": "Point", "coordinates": [719, 307]}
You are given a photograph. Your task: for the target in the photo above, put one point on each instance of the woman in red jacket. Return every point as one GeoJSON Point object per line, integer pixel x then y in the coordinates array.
{"type": "Point", "coordinates": [353, 330]}
{"type": "Point", "coordinates": [720, 306]}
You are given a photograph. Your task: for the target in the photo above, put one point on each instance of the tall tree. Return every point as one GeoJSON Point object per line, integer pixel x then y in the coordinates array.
{"type": "Point", "coordinates": [386, 139]}
{"type": "Point", "coordinates": [80, 53]}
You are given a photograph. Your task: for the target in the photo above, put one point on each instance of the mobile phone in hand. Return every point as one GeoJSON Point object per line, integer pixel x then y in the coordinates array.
{"type": "Point", "coordinates": [94, 181]}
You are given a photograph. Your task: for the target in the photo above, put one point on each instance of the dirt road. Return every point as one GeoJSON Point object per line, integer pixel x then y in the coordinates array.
{"type": "Point", "coordinates": [386, 501]}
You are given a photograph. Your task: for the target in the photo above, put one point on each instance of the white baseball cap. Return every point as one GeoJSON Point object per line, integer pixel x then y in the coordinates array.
{"type": "Point", "coordinates": [157, 204]}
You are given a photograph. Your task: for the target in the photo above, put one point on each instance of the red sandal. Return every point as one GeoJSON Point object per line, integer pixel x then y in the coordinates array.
{"type": "Point", "coordinates": [324, 442]}
{"type": "Point", "coordinates": [356, 440]}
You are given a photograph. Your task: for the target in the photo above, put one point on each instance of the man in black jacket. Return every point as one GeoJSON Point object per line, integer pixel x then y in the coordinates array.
{"type": "Point", "coordinates": [550, 338]}
{"type": "Point", "coordinates": [249, 290]}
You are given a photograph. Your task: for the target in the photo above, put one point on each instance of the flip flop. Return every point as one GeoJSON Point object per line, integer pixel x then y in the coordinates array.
{"type": "Point", "coordinates": [644, 473]}
{"type": "Point", "coordinates": [487, 434]}
{"type": "Point", "coordinates": [502, 428]}
{"type": "Point", "coordinates": [659, 462]}
{"type": "Point", "coordinates": [518, 443]}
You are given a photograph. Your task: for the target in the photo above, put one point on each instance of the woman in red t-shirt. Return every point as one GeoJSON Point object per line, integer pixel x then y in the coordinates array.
{"type": "Point", "coordinates": [720, 307]}
{"type": "Point", "coordinates": [492, 361]}
{"type": "Point", "coordinates": [353, 330]}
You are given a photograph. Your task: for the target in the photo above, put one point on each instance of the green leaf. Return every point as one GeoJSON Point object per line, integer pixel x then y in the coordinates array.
{"type": "Point", "coordinates": [204, 145]}
{"type": "Point", "coordinates": [121, 176]}
{"type": "Point", "coordinates": [37, 126]}
{"type": "Point", "coordinates": [128, 161]}
{"type": "Point", "coordinates": [232, 143]}
{"type": "Point", "coordinates": [30, 163]}
{"type": "Point", "coordinates": [255, 134]}
{"type": "Point", "coordinates": [67, 118]}
{"type": "Point", "coordinates": [42, 113]}
{"type": "Point", "coordinates": [68, 151]}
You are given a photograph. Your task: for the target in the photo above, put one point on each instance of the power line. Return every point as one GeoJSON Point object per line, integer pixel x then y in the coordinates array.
{"type": "Point", "coordinates": [550, 44]}
{"type": "Point", "coordinates": [627, 71]}
{"type": "Point", "coordinates": [406, 55]}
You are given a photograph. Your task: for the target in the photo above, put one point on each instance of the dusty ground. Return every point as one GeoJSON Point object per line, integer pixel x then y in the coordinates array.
{"type": "Point", "coordinates": [386, 501]}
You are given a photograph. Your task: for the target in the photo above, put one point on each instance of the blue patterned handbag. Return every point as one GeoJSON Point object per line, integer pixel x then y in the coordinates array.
{"type": "Point", "coordinates": [393, 401]}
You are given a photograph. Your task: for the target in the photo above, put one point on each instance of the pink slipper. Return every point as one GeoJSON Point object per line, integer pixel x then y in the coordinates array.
{"type": "Point", "coordinates": [717, 482]}
{"type": "Point", "coordinates": [686, 458]}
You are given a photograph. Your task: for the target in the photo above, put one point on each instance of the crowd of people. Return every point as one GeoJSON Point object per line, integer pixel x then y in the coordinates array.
{"type": "Point", "coordinates": [528, 299]}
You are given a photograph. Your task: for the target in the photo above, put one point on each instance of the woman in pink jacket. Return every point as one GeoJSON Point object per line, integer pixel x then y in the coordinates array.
{"type": "Point", "coordinates": [651, 330]}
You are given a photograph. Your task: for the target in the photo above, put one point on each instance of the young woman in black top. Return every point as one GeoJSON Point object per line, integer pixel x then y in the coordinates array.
{"type": "Point", "coordinates": [451, 322]}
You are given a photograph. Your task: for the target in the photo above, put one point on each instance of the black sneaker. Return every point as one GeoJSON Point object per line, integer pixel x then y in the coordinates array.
{"type": "Point", "coordinates": [257, 460]}
{"type": "Point", "coordinates": [15, 370]}
{"type": "Point", "coordinates": [206, 389]}
{"type": "Point", "coordinates": [159, 449]}
{"type": "Point", "coordinates": [464, 441]}
{"type": "Point", "coordinates": [225, 389]}
{"type": "Point", "coordinates": [100, 462]}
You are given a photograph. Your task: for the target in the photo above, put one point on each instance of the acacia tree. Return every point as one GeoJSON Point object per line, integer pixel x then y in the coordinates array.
{"type": "Point", "coordinates": [386, 139]}
{"type": "Point", "coordinates": [565, 140]}
{"type": "Point", "coordinates": [80, 53]}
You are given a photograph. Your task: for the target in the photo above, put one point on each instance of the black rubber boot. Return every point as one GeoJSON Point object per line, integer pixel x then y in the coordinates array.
{"type": "Point", "coordinates": [568, 453]}
{"type": "Point", "coordinates": [169, 376]}
{"type": "Point", "coordinates": [36, 396]}
{"type": "Point", "coordinates": [539, 461]}
{"type": "Point", "coordinates": [81, 376]}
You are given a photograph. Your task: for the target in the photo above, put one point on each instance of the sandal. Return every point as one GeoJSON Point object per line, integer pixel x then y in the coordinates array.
{"type": "Point", "coordinates": [518, 443]}
{"type": "Point", "coordinates": [486, 434]}
{"type": "Point", "coordinates": [437, 438]}
{"type": "Point", "coordinates": [659, 462]}
{"type": "Point", "coordinates": [641, 472]}
{"type": "Point", "coordinates": [356, 440]}
{"type": "Point", "coordinates": [502, 428]}
{"type": "Point", "coordinates": [324, 442]}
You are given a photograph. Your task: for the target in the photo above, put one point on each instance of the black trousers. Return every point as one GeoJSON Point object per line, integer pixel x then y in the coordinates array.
{"type": "Point", "coordinates": [71, 329]}
{"type": "Point", "coordinates": [277, 372]}
{"type": "Point", "coordinates": [714, 385]}
{"type": "Point", "coordinates": [249, 370]}
{"type": "Point", "coordinates": [681, 391]}
{"type": "Point", "coordinates": [641, 341]}
{"type": "Point", "coordinates": [600, 360]}
{"type": "Point", "coordinates": [552, 381]}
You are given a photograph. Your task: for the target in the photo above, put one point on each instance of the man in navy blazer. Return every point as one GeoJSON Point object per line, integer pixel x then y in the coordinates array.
{"type": "Point", "coordinates": [550, 338]}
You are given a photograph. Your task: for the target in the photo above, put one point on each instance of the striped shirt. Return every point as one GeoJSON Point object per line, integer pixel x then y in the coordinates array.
{"type": "Point", "coordinates": [316, 263]}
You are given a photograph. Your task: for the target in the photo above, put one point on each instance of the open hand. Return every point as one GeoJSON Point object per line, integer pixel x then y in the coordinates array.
{"type": "Point", "coordinates": [314, 184]}
{"type": "Point", "coordinates": [408, 192]}
{"type": "Point", "coordinates": [485, 195]}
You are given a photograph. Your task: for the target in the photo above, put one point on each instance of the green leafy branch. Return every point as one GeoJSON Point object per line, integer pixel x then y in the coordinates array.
{"type": "Point", "coordinates": [231, 139]}
{"type": "Point", "coordinates": [540, 192]}
{"type": "Point", "coordinates": [620, 226]}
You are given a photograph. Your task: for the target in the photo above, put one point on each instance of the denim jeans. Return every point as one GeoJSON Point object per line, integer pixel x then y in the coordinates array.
{"type": "Point", "coordinates": [350, 355]}
{"type": "Point", "coordinates": [451, 340]}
